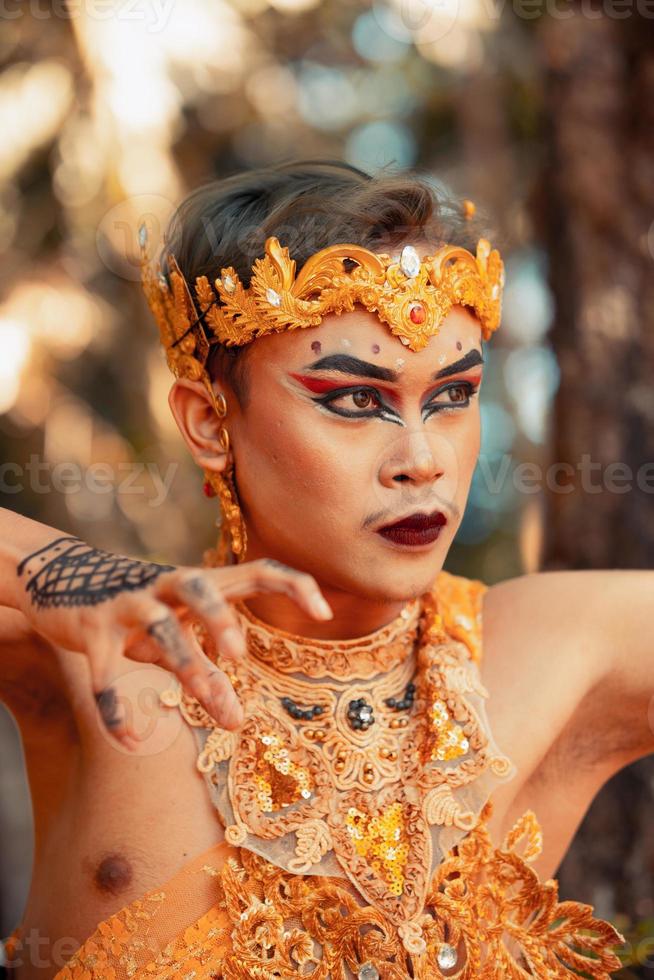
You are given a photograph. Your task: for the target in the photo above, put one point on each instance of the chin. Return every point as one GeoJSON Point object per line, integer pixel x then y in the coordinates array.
{"type": "Point", "coordinates": [395, 581]}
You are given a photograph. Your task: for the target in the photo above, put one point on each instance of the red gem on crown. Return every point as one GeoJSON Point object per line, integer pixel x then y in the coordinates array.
{"type": "Point", "coordinates": [417, 313]}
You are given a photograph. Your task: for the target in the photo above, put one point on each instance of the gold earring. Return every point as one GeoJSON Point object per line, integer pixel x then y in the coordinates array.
{"type": "Point", "coordinates": [232, 540]}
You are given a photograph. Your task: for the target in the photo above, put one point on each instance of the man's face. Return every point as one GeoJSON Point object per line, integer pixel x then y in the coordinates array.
{"type": "Point", "coordinates": [346, 431]}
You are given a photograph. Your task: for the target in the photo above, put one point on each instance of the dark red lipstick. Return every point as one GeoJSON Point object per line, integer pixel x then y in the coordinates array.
{"type": "Point", "coordinates": [416, 529]}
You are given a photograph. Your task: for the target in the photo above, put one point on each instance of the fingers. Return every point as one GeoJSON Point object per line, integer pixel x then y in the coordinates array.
{"type": "Point", "coordinates": [202, 595]}
{"type": "Point", "coordinates": [181, 654]}
{"type": "Point", "coordinates": [206, 592]}
{"type": "Point", "coordinates": [270, 575]}
{"type": "Point", "coordinates": [103, 661]}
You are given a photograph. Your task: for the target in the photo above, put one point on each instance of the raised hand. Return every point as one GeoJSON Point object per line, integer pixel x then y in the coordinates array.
{"type": "Point", "coordinates": [106, 606]}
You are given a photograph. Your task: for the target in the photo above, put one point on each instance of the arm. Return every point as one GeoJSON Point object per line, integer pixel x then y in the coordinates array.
{"type": "Point", "coordinates": [625, 629]}
{"type": "Point", "coordinates": [587, 635]}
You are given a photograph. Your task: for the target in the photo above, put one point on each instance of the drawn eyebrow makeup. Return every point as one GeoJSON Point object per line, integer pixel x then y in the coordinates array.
{"type": "Point", "coordinates": [355, 367]}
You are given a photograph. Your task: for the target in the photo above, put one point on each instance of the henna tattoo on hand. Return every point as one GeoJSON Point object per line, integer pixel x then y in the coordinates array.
{"type": "Point", "coordinates": [204, 595]}
{"type": "Point", "coordinates": [168, 634]}
{"type": "Point", "coordinates": [69, 572]}
{"type": "Point", "coordinates": [281, 567]}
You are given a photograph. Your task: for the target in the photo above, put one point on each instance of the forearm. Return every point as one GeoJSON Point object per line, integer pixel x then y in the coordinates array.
{"type": "Point", "coordinates": [19, 537]}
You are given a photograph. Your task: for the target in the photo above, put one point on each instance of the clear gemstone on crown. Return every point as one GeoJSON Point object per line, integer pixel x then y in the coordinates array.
{"type": "Point", "coordinates": [273, 297]}
{"type": "Point", "coordinates": [228, 284]}
{"type": "Point", "coordinates": [410, 261]}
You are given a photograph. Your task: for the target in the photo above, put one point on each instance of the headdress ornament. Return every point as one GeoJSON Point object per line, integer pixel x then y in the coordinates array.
{"type": "Point", "coordinates": [410, 294]}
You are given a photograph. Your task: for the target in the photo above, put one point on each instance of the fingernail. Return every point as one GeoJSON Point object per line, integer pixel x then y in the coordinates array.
{"type": "Point", "coordinates": [320, 607]}
{"type": "Point", "coordinates": [234, 641]}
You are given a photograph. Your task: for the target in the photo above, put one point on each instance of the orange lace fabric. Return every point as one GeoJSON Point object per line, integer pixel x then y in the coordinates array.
{"type": "Point", "coordinates": [231, 914]}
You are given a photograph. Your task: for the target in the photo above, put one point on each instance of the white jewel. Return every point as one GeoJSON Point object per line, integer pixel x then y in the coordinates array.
{"type": "Point", "coordinates": [410, 261]}
{"type": "Point", "coordinates": [464, 621]}
{"type": "Point", "coordinates": [143, 235]}
{"type": "Point", "coordinates": [306, 793]}
{"type": "Point", "coordinates": [273, 297]}
{"type": "Point", "coordinates": [446, 957]}
{"type": "Point", "coordinates": [368, 972]}
{"type": "Point", "coordinates": [228, 284]}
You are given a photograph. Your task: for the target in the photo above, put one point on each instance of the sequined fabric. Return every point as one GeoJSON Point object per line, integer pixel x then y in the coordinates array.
{"type": "Point", "coordinates": [327, 874]}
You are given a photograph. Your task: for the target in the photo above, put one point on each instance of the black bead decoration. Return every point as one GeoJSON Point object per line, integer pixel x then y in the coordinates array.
{"type": "Point", "coordinates": [402, 704]}
{"type": "Point", "coordinates": [305, 714]}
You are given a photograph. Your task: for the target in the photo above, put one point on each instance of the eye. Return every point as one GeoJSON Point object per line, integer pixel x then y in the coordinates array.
{"type": "Point", "coordinates": [358, 402]}
{"type": "Point", "coordinates": [362, 398]}
{"type": "Point", "coordinates": [456, 394]}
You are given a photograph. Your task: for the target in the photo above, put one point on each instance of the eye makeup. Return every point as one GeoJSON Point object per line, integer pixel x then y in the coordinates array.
{"type": "Point", "coordinates": [330, 393]}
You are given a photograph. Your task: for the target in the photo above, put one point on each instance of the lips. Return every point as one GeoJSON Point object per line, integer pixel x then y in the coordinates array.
{"type": "Point", "coordinates": [414, 530]}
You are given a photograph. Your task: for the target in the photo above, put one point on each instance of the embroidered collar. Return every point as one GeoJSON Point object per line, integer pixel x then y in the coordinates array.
{"type": "Point", "coordinates": [362, 657]}
{"type": "Point", "coordinates": [380, 804]}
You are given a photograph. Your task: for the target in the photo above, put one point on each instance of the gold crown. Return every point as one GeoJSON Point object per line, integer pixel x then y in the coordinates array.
{"type": "Point", "coordinates": [412, 296]}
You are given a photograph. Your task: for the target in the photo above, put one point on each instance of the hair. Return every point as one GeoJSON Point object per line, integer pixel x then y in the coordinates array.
{"type": "Point", "coordinates": [307, 205]}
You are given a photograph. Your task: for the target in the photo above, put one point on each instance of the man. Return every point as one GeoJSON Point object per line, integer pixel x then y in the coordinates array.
{"type": "Point", "coordinates": [342, 452]}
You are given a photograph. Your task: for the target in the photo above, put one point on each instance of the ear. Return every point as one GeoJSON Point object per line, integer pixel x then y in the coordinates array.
{"type": "Point", "coordinates": [191, 405]}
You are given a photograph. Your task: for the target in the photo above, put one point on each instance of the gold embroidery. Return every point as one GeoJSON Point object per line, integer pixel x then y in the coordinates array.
{"type": "Point", "coordinates": [484, 914]}
{"type": "Point", "coordinates": [300, 794]}
{"type": "Point", "coordinates": [337, 659]}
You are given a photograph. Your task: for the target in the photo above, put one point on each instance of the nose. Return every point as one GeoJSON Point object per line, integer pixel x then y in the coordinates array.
{"type": "Point", "coordinates": [413, 461]}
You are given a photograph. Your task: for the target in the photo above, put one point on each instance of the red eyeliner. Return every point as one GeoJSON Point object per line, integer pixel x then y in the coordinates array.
{"type": "Point", "coordinates": [320, 385]}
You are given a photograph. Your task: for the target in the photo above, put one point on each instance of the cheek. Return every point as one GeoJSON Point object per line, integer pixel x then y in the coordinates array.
{"type": "Point", "coordinates": [291, 456]}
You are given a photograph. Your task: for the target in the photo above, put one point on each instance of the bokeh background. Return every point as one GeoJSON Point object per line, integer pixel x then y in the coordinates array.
{"type": "Point", "coordinates": [540, 111]}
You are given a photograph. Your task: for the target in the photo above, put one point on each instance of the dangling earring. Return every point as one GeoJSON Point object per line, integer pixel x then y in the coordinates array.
{"type": "Point", "coordinates": [232, 540]}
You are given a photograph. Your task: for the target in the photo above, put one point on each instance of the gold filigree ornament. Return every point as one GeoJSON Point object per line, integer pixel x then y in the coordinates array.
{"type": "Point", "coordinates": [412, 296]}
{"type": "Point", "coordinates": [343, 876]}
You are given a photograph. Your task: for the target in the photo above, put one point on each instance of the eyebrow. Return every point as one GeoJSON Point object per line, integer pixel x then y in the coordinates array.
{"type": "Point", "coordinates": [347, 364]}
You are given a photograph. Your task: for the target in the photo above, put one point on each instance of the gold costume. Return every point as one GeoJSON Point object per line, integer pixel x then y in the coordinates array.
{"type": "Point", "coordinates": [355, 841]}
{"type": "Point", "coordinates": [356, 794]}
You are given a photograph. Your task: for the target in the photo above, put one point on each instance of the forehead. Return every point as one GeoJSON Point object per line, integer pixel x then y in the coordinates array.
{"type": "Point", "coordinates": [363, 334]}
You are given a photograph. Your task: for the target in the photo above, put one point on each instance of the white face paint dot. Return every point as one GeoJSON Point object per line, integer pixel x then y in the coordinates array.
{"type": "Point", "coordinates": [442, 359]}
{"type": "Point", "coordinates": [399, 362]}
{"type": "Point", "coordinates": [345, 342]}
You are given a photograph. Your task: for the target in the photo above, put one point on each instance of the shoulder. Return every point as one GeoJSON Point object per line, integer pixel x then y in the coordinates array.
{"type": "Point", "coordinates": [554, 607]}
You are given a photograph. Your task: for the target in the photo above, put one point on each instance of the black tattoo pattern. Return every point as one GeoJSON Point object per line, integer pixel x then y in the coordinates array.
{"type": "Point", "coordinates": [107, 702]}
{"type": "Point", "coordinates": [203, 595]}
{"type": "Point", "coordinates": [167, 632]}
{"type": "Point", "coordinates": [68, 572]}
{"type": "Point", "coordinates": [280, 566]}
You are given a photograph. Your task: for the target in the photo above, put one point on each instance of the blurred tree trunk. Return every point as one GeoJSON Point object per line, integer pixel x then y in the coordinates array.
{"type": "Point", "coordinates": [596, 210]}
{"type": "Point", "coordinates": [598, 197]}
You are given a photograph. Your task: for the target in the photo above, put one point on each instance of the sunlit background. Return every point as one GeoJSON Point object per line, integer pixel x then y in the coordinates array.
{"type": "Point", "coordinates": [109, 116]}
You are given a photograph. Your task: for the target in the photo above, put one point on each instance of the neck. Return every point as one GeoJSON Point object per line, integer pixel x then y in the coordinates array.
{"type": "Point", "coordinates": [353, 616]}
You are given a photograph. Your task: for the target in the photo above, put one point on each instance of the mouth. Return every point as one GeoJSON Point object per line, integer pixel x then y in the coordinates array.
{"type": "Point", "coordinates": [417, 529]}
